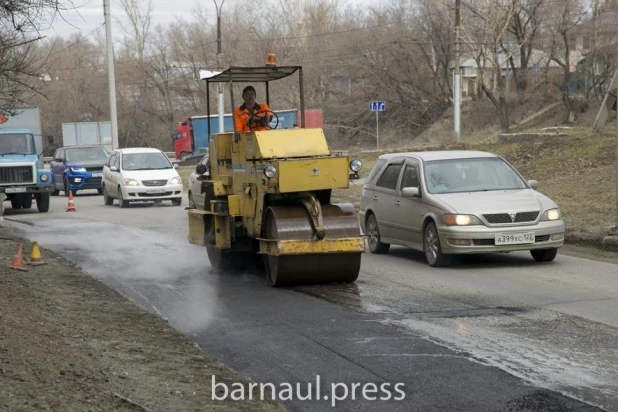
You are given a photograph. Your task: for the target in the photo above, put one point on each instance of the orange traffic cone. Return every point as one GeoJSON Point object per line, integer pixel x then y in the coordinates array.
{"type": "Point", "coordinates": [18, 260]}
{"type": "Point", "coordinates": [71, 206]}
{"type": "Point", "coordinates": [35, 256]}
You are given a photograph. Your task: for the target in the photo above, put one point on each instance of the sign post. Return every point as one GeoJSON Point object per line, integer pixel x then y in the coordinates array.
{"type": "Point", "coordinates": [377, 106]}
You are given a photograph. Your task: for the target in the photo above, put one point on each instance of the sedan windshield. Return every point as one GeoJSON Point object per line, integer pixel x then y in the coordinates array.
{"type": "Point", "coordinates": [87, 154]}
{"type": "Point", "coordinates": [145, 161]}
{"type": "Point", "coordinates": [471, 175]}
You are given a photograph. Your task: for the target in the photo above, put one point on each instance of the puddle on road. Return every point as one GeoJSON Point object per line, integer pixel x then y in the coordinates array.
{"type": "Point", "coordinates": [163, 273]}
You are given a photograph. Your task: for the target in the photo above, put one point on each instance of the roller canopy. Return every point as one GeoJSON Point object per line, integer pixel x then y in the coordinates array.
{"type": "Point", "coordinates": [249, 74]}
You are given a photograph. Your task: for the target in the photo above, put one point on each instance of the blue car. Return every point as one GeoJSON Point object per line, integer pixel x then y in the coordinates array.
{"type": "Point", "coordinates": [78, 168]}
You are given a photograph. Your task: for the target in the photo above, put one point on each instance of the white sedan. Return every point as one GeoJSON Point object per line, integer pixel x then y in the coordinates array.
{"type": "Point", "coordinates": [196, 197]}
{"type": "Point", "coordinates": [140, 175]}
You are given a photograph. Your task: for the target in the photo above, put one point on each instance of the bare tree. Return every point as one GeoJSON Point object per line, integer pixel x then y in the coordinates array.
{"type": "Point", "coordinates": [20, 22]}
{"type": "Point", "coordinates": [485, 35]}
{"type": "Point", "coordinates": [436, 44]}
{"type": "Point", "coordinates": [568, 14]}
{"type": "Point", "coordinates": [139, 25]}
{"type": "Point", "coordinates": [523, 27]}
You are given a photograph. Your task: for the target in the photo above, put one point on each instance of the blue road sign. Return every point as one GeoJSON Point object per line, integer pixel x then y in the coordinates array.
{"type": "Point", "coordinates": [377, 106]}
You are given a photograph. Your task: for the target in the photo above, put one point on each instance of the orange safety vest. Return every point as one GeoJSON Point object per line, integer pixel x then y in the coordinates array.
{"type": "Point", "coordinates": [242, 116]}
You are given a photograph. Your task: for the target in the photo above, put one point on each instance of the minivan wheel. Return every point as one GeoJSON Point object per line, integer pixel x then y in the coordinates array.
{"type": "Point", "coordinates": [544, 255]}
{"type": "Point", "coordinates": [432, 248]}
{"type": "Point", "coordinates": [375, 244]}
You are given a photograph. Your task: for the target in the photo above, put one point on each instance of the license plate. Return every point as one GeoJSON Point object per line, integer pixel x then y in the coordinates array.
{"type": "Point", "coordinates": [156, 191]}
{"type": "Point", "coordinates": [515, 239]}
{"type": "Point", "coordinates": [15, 190]}
{"type": "Point", "coordinates": [97, 174]}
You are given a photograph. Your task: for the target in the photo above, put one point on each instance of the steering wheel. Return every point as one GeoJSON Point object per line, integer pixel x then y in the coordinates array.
{"type": "Point", "coordinates": [262, 120]}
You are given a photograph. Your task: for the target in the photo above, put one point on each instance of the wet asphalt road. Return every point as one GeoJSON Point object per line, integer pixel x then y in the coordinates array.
{"type": "Point", "coordinates": [491, 333]}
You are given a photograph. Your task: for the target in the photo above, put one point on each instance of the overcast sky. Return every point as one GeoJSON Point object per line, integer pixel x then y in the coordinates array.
{"type": "Point", "coordinates": [88, 14]}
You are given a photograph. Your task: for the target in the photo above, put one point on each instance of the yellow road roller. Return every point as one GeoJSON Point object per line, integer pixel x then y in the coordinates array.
{"type": "Point", "coordinates": [268, 196]}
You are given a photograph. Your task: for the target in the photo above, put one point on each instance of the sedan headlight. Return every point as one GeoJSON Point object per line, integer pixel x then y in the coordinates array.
{"type": "Point", "coordinates": [44, 178]}
{"type": "Point", "coordinates": [461, 220]}
{"type": "Point", "coordinates": [270, 171]}
{"type": "Point", "coordinates": [131, 182]}
{"type": "Point", "coordinates": [552, 214]}
{"type": "Point", "coordinates": [356, 165]}
{"type": "Point", "coordinates": [175, 180]}
{"type": "Point", "coordinates": [78, 169]}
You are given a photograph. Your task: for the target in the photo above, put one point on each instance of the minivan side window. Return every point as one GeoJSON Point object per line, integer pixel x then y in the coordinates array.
{"type": "Point", "coordinates": [374, 170]}
{"type": "Point", "coordinates": [410, 176]}
{"type": "Point", "coordinates": [389, 178]}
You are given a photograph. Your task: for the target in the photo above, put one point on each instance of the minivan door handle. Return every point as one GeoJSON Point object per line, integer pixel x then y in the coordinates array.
{"type": "Point", "coordinates": [398, 203]}
{"type": "Point", "coordinates": [375, 197]}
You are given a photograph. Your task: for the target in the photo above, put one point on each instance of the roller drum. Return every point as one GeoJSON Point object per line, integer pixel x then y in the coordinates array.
{"type": "Point", "coordinates": [294, 223]}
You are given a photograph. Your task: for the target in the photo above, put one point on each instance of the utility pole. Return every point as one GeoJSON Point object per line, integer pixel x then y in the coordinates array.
{"type": "Point", "coordinates": [220, 66]}
{"type": "Point", "coordinates": [111, 78]}
{"type": "Point", "coordinates": [457, 82]}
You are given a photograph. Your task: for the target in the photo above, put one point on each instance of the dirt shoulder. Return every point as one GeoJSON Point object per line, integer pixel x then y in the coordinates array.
{"type": "Point", "coordinates": [68, 342]}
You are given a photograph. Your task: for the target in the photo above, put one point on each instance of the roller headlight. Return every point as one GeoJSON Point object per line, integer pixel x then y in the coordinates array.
{"type": "Point", "coordinates": [175, 180]}
{"type": "Point", "coordinates": [131, 182]}
{"type": "Point", "coordinates": [270, 171]}
{"type": "Point", "coordinates": [44, 178]}
{"type": "Point", "coordinates": [552, 214]}
{"type": "Point", "coordinates": [78, 169]}
{"type": "Point", "coordinates": [461, 220]}
{"type": "Point", "coordinates": [356, 165]}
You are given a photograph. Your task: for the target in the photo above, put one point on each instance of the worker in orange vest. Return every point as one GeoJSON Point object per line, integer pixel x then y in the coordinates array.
{"type": "Point", "coordinates": [243, 114]}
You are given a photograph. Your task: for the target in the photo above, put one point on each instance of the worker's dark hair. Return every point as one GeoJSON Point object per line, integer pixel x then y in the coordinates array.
{"type": "Point", "coordinates": [248, 88]}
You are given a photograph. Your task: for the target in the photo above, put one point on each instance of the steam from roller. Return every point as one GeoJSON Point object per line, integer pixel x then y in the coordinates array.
{"type": "Point", "coordinates": [158, 271]}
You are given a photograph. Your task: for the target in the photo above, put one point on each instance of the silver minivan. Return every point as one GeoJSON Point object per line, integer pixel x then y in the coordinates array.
{"type": "Point", "coordinates": [457, 202]}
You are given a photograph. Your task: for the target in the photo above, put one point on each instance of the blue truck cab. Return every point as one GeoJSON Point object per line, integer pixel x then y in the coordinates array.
{"type": "Point", "coordinates": [23, 177]}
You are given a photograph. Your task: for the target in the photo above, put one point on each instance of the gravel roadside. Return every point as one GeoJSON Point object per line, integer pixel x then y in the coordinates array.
{"type": "Point", "coordinates": [68, 342]}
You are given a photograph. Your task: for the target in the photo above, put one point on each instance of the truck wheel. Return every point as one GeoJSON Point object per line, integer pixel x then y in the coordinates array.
{"type": "Point", "coordinates": [26, 202]}
{"type": "Point", "coordinates": [16, 202]}
{"type": "Point", "coordinates": [42, 202]}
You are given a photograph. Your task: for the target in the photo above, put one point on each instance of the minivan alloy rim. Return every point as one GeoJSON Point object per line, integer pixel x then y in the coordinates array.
{"type": "Point", "coordinates": [373, 232]}
{"type": "Point", "coordinates": [432, 245]}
